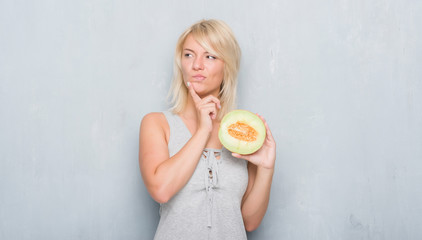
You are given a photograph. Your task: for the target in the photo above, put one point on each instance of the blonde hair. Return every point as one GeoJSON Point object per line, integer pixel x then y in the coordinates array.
{"type": "Point", "coordinates": [216, 37]}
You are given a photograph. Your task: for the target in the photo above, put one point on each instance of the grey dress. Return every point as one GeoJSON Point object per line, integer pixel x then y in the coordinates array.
{"type": "Point", "coordinates": [208, 206]}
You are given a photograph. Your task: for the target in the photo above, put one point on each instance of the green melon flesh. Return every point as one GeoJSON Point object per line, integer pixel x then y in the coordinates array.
{"type": "Point", "coordinates": [242, 132]}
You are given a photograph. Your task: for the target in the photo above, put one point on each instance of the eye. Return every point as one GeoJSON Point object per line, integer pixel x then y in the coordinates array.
{"type": "Point", "coordinates": [211, 57]}
{"type": "Point", "coordinates": [187, 55]}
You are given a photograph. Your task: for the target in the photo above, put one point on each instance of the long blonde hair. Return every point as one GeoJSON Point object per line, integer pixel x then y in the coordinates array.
{"type": "Point", "coordinates": [217, 37]}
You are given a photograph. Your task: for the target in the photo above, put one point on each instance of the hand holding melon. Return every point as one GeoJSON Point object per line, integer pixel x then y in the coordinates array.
{"type": "Point", "coordinates": [247, 135]}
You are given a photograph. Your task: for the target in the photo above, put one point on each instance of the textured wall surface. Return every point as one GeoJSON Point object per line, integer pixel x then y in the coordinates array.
{"type": "Point", "coordinates": [339, 82]}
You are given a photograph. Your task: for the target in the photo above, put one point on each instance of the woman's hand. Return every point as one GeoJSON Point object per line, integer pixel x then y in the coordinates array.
{"type": "Point", "coordinates": [206, 108]}
{"type": "Point", "coordinates": [265, 156]}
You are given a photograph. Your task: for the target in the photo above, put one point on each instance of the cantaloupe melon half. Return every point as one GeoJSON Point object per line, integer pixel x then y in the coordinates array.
{"type": "Point", "coordinates": [242, 132]}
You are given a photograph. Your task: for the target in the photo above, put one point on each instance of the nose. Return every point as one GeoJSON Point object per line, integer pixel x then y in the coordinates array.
{"type": "Point", "coordinates": [198, 63]}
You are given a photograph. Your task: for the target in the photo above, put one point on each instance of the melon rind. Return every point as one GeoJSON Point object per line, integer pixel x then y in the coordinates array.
{"type": "Point", "coordinates": [236, 145]}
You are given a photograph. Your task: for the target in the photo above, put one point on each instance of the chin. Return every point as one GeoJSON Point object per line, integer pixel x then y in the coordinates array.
{"type": "Point", "coordinates": [202, 94]}
{"type": "Point", "coordinates": [202, 90]}
{"type": "Point", "coordinates": [199, 88]}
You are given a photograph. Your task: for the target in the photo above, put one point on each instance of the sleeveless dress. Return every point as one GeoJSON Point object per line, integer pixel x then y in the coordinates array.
{"type": "Point", "coordinates": [208, 206]}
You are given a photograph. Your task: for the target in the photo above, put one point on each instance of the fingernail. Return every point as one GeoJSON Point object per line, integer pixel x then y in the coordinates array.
{"type": "Point", "coordinates": [188, 84]}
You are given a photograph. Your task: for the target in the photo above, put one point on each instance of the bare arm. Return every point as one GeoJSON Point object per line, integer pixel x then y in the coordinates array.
{"type": "Point", "coordinates": [260, 170]}
{"type": "Point", "coordinates": [163, 175]}
{"type": "Point", "coordinates": [256, 201]}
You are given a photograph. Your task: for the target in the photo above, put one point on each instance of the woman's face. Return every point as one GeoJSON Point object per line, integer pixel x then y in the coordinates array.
{"type": "Point", "coordinates": [201, 68]}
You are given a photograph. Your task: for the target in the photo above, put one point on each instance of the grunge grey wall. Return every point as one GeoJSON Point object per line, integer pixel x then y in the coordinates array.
{"type": "Point", "coordinates": [339, 83]}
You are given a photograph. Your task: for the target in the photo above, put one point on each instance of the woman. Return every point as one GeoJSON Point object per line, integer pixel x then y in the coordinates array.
{"type": "Point", "coordinates": [204, 191]}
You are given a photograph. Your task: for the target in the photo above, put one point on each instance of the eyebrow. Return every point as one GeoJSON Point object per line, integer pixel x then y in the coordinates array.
{"type": "Point", "coordinates": [188, 49]}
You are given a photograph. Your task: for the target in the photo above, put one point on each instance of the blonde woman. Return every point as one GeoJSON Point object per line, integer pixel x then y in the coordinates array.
{"type": "Point", "coordinates": [204, 191]}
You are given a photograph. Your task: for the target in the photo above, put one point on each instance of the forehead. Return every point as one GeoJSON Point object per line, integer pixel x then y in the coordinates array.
{"type": "Point", "coordinates": [197, 44]}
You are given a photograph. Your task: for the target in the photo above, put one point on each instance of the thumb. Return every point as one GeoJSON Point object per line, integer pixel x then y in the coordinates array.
{"type": "Point", "coordinates": [237, 155]}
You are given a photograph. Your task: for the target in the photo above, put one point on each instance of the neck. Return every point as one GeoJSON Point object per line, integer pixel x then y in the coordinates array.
{"type": "Point", "coordinates": [189, 111]}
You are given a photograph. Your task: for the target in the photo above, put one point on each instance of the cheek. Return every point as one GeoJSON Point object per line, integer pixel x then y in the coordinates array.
{"type": "Point", "coordinates": [184, 68]}
{"type": "Point", "coordinates": [218, 71]}
{"type": "Point", "coordinates": [221, 74]}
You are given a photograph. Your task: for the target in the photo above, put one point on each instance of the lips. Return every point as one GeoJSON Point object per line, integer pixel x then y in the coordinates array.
{"type": "Point", "coordinates": [198, 77]}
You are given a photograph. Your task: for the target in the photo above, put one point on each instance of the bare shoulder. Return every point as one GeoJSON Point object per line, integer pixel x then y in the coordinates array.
{"type": "Point", "coordinates": [153, 117]}
{"type": "Point", "coordinates": [155, 122]}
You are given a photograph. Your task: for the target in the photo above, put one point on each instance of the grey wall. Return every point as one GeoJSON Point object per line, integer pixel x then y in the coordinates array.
{"type": "Point", "coordinates": [338, 81]}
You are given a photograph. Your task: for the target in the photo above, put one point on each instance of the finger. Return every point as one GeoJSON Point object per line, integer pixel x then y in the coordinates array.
{"type": "Point", "coordinates": [210, 104]}
{"type": "Point", "coordinates": [211, 112]}
{"type": "Point", "coordinates": [237, 155]}
{"type": "Point", "coordinates": [269, 134]}
{"type": "Point", "coordinates": [207, 106]}
{"type": "Point", "coordinates": [210, 109]}
{"type": "Point", "coordinates": [262, 118]}
{"type": "Point", "coordinates": [192, 92]}
{"type": "Point", "coordinates": [245, 157]}
{"type": "Point", "coordinates": [211, 98]}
